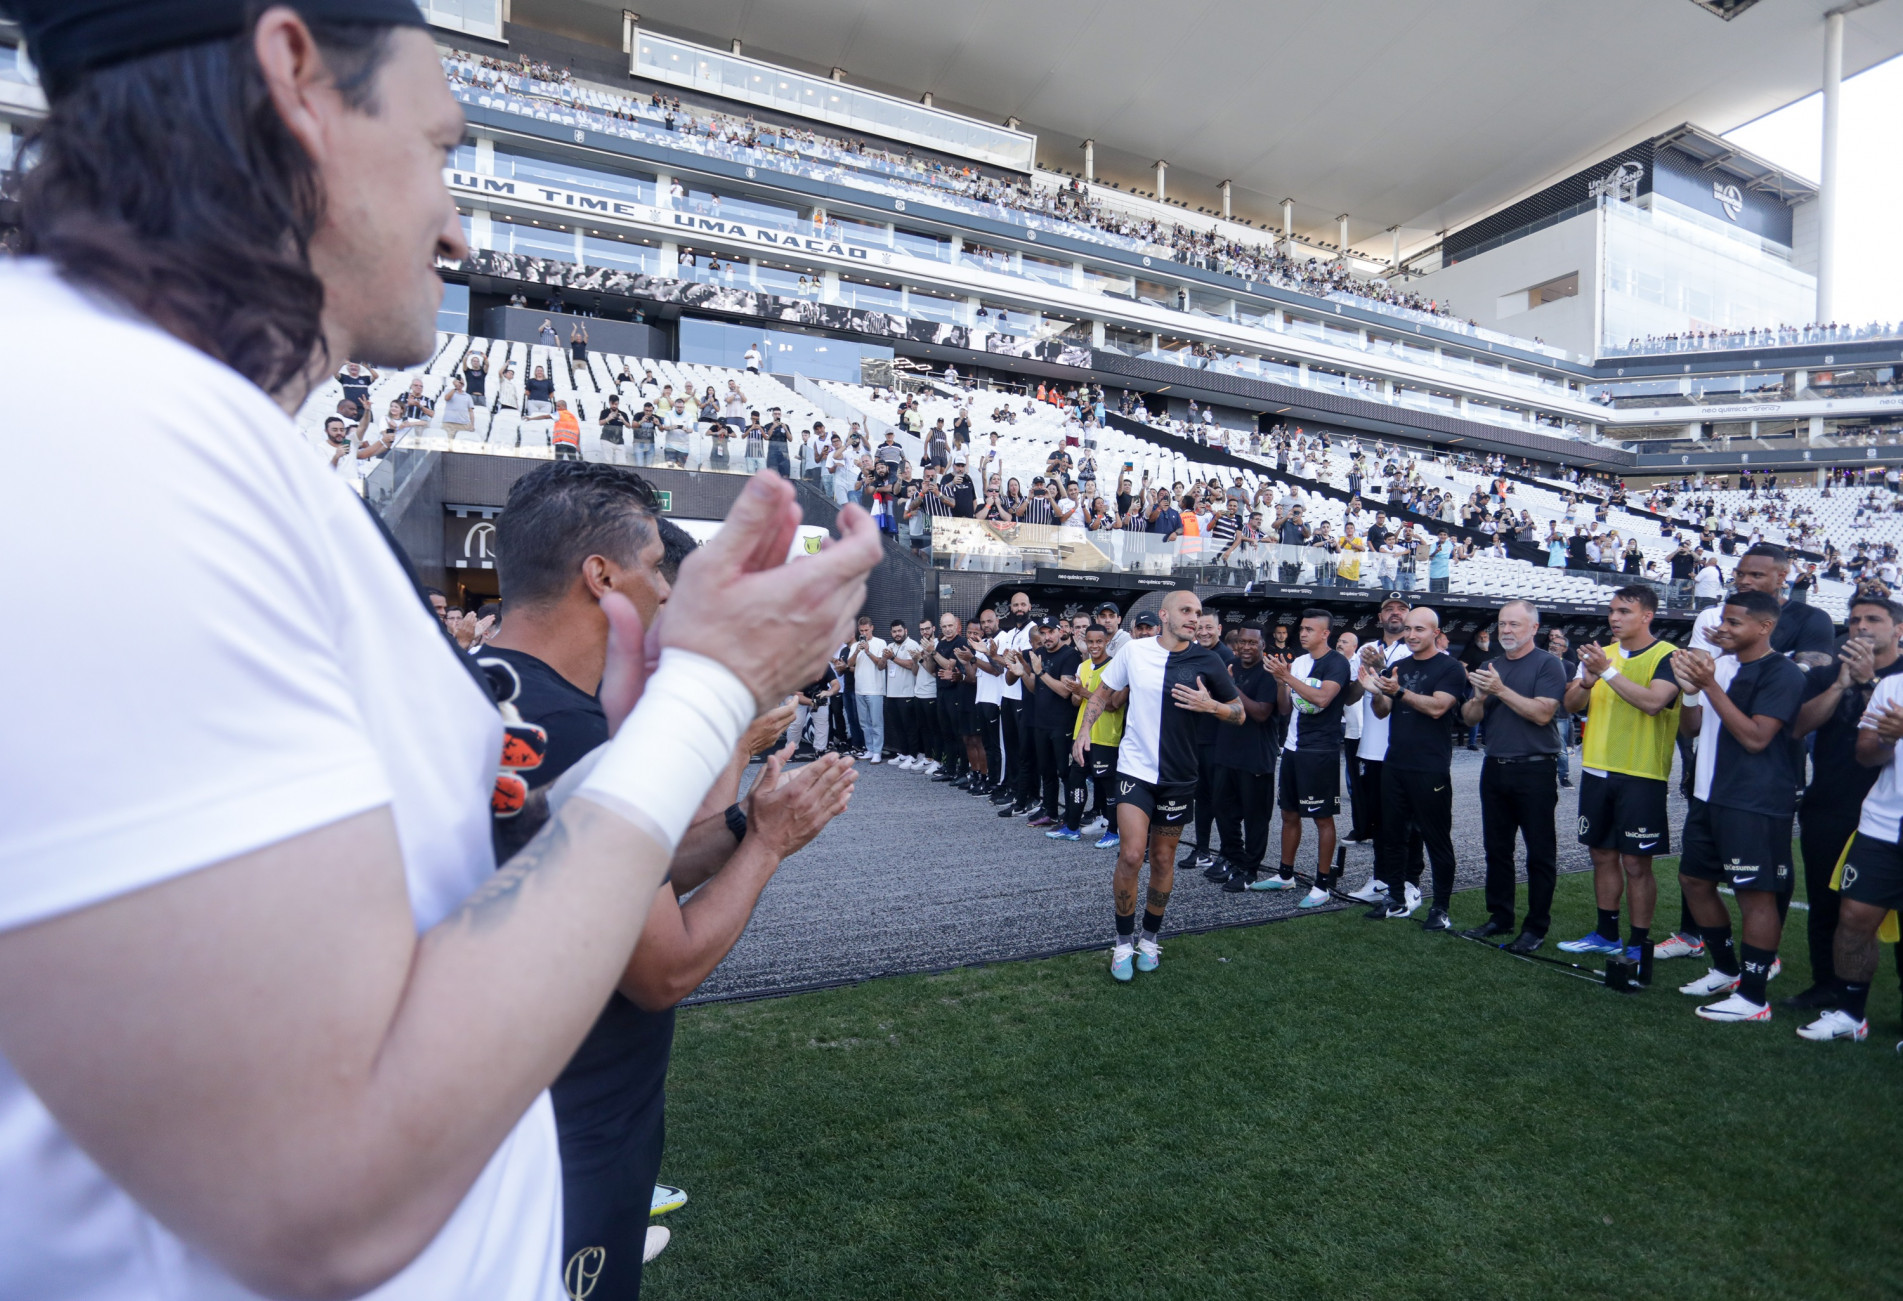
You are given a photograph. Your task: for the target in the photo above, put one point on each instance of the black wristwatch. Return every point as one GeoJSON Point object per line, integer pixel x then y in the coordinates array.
{"type": "Point", "coordinates": [737, 822]}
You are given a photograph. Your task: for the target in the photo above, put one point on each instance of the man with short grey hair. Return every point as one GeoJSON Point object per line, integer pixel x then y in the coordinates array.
{"type": "Point", "coordinates": [1517, 694]}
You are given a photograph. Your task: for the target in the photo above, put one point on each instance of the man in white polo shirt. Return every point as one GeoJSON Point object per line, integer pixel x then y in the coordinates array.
{"type": "Point", "coordinates": [866, 661]}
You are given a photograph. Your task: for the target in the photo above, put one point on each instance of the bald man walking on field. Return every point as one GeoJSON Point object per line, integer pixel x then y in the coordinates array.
{"type": "Point", "coordinates": [1166, 681]}
{"type": "Point", "coordinates": [1417, 783]}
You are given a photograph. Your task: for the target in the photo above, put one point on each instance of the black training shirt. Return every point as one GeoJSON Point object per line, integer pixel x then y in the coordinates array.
{"type": "Point", "coordinates": [1838, 782]}
{"type": "Point", "coordinates": [1208, 726]}
{"type": "Point", "coordinates": [1801, 627]}
{"type": "Point", "coordinates": [1536, 673]}
{"type": "Point", "coordinates": [1049, 709]}
{"type": "Point", "coordinates": [1250, 747]}
{"type": "Point", "coordinates": [1765, 782]}
{"type": "Point", "coordinates": [1321, 730]}
{"type": "Point", "coordinates": [1417, 743]}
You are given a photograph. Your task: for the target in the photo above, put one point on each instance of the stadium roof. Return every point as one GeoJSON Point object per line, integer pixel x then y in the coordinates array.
{"type": "Point", "coordinates": [1394, 112]}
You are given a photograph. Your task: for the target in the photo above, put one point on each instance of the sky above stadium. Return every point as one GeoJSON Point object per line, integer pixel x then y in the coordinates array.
{"type": "Point", "coordinates": [1870, 279]}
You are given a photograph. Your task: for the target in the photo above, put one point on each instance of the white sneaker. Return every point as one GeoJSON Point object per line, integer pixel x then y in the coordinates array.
{"type": "Point", "coordinates": [1372, 892]}
{"type": "Point", "coordinates": [1835, 1024]}
{"type": "Point", "coordinates": [1677, 946]}
{"type": "Point", "coordinates": [1413, 896]}
{"type": "Point", "coordinates": [903, 763]}
{"type": "Point", "coordinates": [933, 765]}
{"type": "Point", "coordinates": [1149, 955]}
{"type": "Point", "coordinates": [1097, 827]}
{"type": "Point", "coordinates": [1736, 1008]}
{"type": "Point", "coordinates": [876, 758]}
{"type": "Point", "coordinates": [1315, 898]}
{"type": "Point", "coordinates": [1712, 982]}
{"type": "Point", "coordinates": [656, 1243]}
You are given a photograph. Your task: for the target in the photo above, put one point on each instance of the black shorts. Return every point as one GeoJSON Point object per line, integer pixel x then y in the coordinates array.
{"type": "Point", "coordinates": [1310, 783]}
{"type": "Point", "coordinates": [1623, 812]}
{"type": "Point", "coordinates": [1167, 806]}
{"type": "Point", "coordinates": [1103, 760]}
{"type": "Point", "coordinates": [1747, 851]}
{"type": "Point", "coordinates": [961, 718]}
{"type": "Point", "coordinates": [1873, 872]}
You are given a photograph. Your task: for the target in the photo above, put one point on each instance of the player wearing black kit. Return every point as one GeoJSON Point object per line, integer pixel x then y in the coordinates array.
{"type": "Point", "coordinates": [1312, 690]}
{"type": "Point", "coordinates": [1738, 822]}
{"type": "Point", "coordinates": [1170, 679]}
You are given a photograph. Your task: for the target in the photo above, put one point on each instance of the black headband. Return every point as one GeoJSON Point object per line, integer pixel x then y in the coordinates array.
{"type": "Point", "coordinates": [68, 38]}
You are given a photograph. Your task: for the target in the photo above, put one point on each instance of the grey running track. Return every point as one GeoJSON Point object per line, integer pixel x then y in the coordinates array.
{"type": "Point", "coordinates": [918, 877]}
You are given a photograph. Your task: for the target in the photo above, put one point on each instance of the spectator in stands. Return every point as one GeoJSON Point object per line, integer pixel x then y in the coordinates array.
{"type": "Point", "coordinates": [545, 334]}
{"type": "Point", "coordinates": [475, 374]}
{"type": "Point", "coordinates": [539, 393]}
{"type": "Point", "coordinates": [355, 380]}
{"type": "Point", "coordinates": [459, 415]}
{"type": "Point", "coordinates": [677, 427]}
{"type": "Point", "coordinates": [507, 398]}
{"type": "Point", "coordinates": [415, 405]}
{"type": "Point", "coordinates": [1709, 584]}
{"type": "Point", "coordinates": [779, 440]}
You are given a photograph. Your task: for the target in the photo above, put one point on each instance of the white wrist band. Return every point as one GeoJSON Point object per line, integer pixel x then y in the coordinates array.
{"type": "Point", "coordinates": [678, 740]}
{"type": "Point", "coordinates": [1608, 673]}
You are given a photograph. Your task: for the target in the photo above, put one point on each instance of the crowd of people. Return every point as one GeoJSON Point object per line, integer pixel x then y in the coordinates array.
{"type": "Point", "coordinates": [1175, 726]}
{"type": "Point", "coordinates": [1773, 336]}
{"type": "Point", "coordinates": [1071, 204]}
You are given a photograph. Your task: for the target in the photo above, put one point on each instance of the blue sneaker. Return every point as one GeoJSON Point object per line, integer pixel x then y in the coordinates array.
{"type": "Point", "coordinates": [1632, 954]}
{"type": "Point", "coordinates": [1120, 957]}
{"type": "Point", "coordinates": [1064, 833]}
{"type": "Point", "coordinates": [1149, 955]}
{"type": "Point", "coordinates": [1110, 840]}
{"type": "Point", "coordinates": [1593, 943]}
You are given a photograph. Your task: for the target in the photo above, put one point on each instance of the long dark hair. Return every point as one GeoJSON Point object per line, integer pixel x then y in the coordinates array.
{"type": "Point", "coordinates": [170, 184]}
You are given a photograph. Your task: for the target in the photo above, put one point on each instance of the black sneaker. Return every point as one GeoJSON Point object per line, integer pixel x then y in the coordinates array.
{"type": "Point", "coordinates": [1527, 942]}
{"type": "Point", "coordinates": [1485, 931]}
{"type": "Point", "coordinates": [1003, 797]}
{"type": "Point", "coordinates": [1383, 911]}
{"type": "Point", "coordinates": [1818, 997]}
{"type": "Point", "coordinates": [1220, 870]}
{"type": "Point", "coordinates": [1437, 920]}
{"type": "Point", "coordinates": [1238, 881]}
{"type": "Point", "coordinates": [945, 775]}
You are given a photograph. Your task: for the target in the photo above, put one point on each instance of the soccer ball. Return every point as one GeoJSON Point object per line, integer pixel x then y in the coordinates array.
{"type": "Point", "coordinates": [1304, 705]}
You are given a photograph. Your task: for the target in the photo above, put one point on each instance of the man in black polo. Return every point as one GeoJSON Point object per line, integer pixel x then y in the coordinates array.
{"type": "Point", "coordinates": [1416, 777]}
{"type": "Point", "coordinates": [1051, 691]}
{"type": "Point", "coordinates": [1516, 704]}
{"type": "Point", "coordinates": [1245, 766]}
{"type": "Point", "coordinates": [1209, 637]}
{"type": "Point", "coordinates": [1835, 703]}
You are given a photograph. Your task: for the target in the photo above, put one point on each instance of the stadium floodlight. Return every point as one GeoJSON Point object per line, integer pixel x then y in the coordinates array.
{"type": "Point", "coordinates": [1725, 9]}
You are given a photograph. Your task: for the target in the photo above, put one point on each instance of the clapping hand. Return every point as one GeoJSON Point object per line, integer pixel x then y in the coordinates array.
{"type": "Point", "coordinates": [1593, 658]}
{"type": "Point", "coordinates": [1486, 681]}
{"type": "Point", "coordinates": [1859, 662]}
{"type": "Point", "coordinates": [1889, 722]}
{"type": "Point", "coordinates": [1278, 667]}
{"type": "Point", "coordinates": [1694, 669]}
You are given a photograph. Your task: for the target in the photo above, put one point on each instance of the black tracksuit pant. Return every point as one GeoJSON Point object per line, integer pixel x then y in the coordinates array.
{"type": "Point", "coordinates": [1519, 799]}
{"type": "Point", "coordinates": [1243, 800]}
{"type": "Point", "coordinates": [1822, 835]}
{"type": "Point", "coordinates": [991, 734]}
{"type": "Point", "coordinates": [1368, 808]}
{"type": "Point", "coordinates": [1053, 760]}
{"type": "Point", "coordinates": [1206, 801]}
{"type": "Point", "coordinates": [1424, 800]}
{"type": "Point", "coordinates": [1025, 785]}
{"type": "Point", "coordinates": [1016, 762]}
{"type": "Point", "coordinates": [898, 724]}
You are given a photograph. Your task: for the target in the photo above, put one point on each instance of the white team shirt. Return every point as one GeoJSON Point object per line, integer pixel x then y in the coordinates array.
{"type": "Point", "coordinates": [1019, 640]}
{"type": "Point", "coordinates": [1374, 728]}
{"type": "Point", "coordinates": [925, 681]}
{"type": "Point", "coordinates": [990, 686]}
{"type": "Point", "coordinates": [868, 678]}
{"type": "Point", "coordinates": [899, 680]}
{"type": "Point", "coordinates": [1883, 807]}
{"type": "Point", "coordinates": [1140, 666]}
{"type": "Point", "coordinates": [298, 681]}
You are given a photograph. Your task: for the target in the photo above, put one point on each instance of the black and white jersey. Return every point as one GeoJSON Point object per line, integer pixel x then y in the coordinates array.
{"type": "Point", "coordinates": [1159, 736]}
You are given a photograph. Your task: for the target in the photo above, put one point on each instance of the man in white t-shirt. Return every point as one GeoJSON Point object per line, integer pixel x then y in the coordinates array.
{"type": "Point", "coordinates": [866, 661]}
{"type": "Point", "coordinates": [318, 1023]}
{"type": "Point", "coordinates": [1371, 751]}
{"type": "Point", "coordinates": [1708, 584]}
{"type": "Point", "coordinates": [901, 684]}
{"type": "Point", "coordinates": [931, 742]}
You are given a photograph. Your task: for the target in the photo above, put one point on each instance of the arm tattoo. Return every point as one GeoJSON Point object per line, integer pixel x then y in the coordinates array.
{"type": "Point", "coordinates": [1233, 712]}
